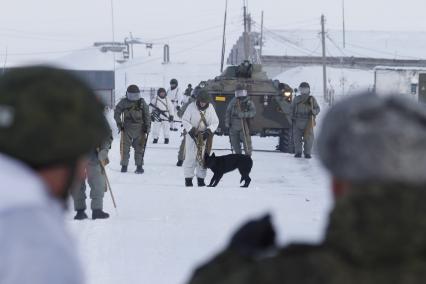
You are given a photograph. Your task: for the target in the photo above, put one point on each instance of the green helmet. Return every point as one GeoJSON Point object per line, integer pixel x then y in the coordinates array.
{"type": "Point", "coordinates": [203, 96]}
{"type": "Point", "coordinates": [48, 116]}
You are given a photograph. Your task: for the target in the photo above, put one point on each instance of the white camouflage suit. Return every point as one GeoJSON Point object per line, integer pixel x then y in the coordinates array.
{"type": "Point", "coordinates": [176, 98]}
{"type": "Point", "coordinates": [167, 110]}
{"type": "Point", "coordinates": [190, 119]}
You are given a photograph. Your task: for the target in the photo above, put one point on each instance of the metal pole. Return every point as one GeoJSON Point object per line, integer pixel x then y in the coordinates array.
{"type": "Point", "coordinates": [261, 35]}
{"type": "Point", "coordinates": [108, 185]}
{"type": "Point", "coordinates": [324, 58]}
{"type": "Point", "coordinates": [246, 41]}
{"type": "Point", "coordinates": [344, 29]}
{"type": "Point", "coordinates": [224, 39]}
{"type": "Point", "coordinates": [113, 33]}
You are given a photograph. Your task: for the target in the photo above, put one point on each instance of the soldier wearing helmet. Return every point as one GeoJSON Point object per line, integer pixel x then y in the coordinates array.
{"type": "Point", "coordinates": [49, 122]}
{"type": "Point", "coordinates": [174, 95]}
{"type": "Point", "coordinates": [200, 122]}
{"type": "Point", "coordinates": [134, 121]}
{"type": "Point", "coordinates": [162, 114]}
{"type": "Point", "coordinates": [304, 109]}
{"type": "Point", "coordinates": [239, 111]}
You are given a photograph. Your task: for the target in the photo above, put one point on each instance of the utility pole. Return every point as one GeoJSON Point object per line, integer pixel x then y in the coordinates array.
{"type": "Point", "coordinates": [324, 59]}
{"type": "Point", "coordinates": [344, 29]}
{"type": "Point", "coordinates": [246, 36]}
{"type": "Point", "coordinates": [222, 59]}
{"type": "Point", "coordinates": [261, 35]}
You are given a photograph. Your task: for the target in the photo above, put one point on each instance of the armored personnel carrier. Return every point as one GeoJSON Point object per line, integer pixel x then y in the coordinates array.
{"type": "Point", "coordinates": [270, 120]}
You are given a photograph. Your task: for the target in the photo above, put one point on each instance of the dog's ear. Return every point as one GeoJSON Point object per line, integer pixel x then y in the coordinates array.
{"type": "Point", "coordinates": [213, 155]}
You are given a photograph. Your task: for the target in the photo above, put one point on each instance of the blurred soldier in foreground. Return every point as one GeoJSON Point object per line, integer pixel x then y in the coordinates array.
{"type": "Point", "coordinates": [304, 110]}
{"type": "Point", "coordinates": [49, 121]}
{"type": "Point", "coordinates": [375, 151]}
{"type": "Point", "coordinates": [191, 99]}
{"type": "Point", "coordinates": [239, 111]}
{"type": "Point", "coordinates": [134, 121]}
{"type": "Point", "coordinates": [200, 122]}
{"type": "Point", "coordinates": [96, 177]}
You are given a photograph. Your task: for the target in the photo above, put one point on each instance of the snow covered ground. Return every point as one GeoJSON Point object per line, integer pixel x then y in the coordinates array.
{"type": "Point", "coordinates": [162, 230]}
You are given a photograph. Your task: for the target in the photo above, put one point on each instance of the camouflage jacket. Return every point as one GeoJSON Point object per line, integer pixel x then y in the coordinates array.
{"type": "Point", "coordinates": [135, 112]}
{"type": "Point", "coordinates": [246, 109]}
{"type": "Point", "coordinates": [303, 106]}
{"type": "Point", "coordinates": [375, 235]}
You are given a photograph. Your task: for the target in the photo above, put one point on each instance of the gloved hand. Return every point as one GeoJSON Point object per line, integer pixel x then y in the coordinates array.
{"type": "Point", "coordinates": [254, 237]}
{"type": "Point", "coordinates": [207, 133]}
{"type": "Point", "coordinates": [171, 118]}
{"type": "Point", "coordinates": [103, 157]}
{"type": "Point", "coordinates": [193, 133]}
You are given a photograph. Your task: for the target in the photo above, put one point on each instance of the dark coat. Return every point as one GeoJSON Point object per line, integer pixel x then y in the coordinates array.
{"type": "Point", "coordinates": [375, 235]}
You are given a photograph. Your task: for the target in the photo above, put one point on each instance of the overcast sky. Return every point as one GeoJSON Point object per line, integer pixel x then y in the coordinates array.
{"type": "Point", "coordinates": [46, 26]}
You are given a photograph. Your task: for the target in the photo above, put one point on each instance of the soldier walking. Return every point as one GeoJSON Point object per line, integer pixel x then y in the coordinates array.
{"type": "Point", "coordinates": [304, 110]}
{"type": "Point", "coordinates": [239, 111]}
{"type": "Point", "coordinates": [181, 111]}
{"type": "Point", "coordinates": [97, 181]}
{"type": "Point", "coordinates": [200, 122]}
{"type": "Point", "coordinates": [173, 93]}
{"type": "Point", "coordinates": [162, 114]}
{"type": "Point", "coordinates": [133, 120]}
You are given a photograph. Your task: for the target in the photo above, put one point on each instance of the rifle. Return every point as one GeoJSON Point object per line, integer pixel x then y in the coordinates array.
{"type": "Point", "coordinates": [108, 184]}
{"type": "Point", "coordinates": [122, 139]}
{"type": "Point", "coordinates": [160, 112]}
{"type": "Point", "coordinates": [144, 145]}
{"type": "Point", "coordinates": [244, 125]}
{"type": "Point", "coordinates": [311, 122]}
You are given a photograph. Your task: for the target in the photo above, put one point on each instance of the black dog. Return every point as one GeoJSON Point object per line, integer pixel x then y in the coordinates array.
{"type": "Point", "coordinates": [224, 164]}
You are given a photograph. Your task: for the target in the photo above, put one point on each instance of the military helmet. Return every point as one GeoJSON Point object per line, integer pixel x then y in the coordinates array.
{"type": "Point", "coordinates": [196, 91]}
{"type": "Point", "coordinates": [133, 89]}
{"type": "Point", "coordinates": [133, 93]}
{"type": "Point", "coordinates": [203, 96]}
{"type": "Point", "coordinates": [173, 82]}
{"type": "Point", "coordinates": [48, 116]}
{"type": "Point", "coordinates": [304, 85]}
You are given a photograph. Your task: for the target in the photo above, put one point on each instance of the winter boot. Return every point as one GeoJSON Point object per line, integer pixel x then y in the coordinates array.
{"type": "Point", "coordinates": [139, 170]}
{"type": "Point", "coordinates": [81, 215]}
{"type": "Point", "coordinates": [155, 141]}
{"type": "Point", "coordinates": [298, 155]}
{"type": "Point", "coordinates": [201, 182]}
{"type": "Point", "coordinates": [166, 140]}
{"type": "Point", "coordinates": [188, 182]}
{"type": "Point", "coordinates": [308, 156]}
{"type": "Point", "coordinates": [99, 214]}
{"type": "Point", "coordinates": [179, 163]}
{"type": "Point", "coordinates": [124, 169]}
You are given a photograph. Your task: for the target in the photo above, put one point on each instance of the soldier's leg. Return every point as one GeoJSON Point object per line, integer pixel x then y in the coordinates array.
{"type": "Point", "coordinates": [181, 154]}
{"type": "Point", "coordinates": [97, 183]}
{"type": "Point", "coordinates": [156, 129]}
{"type": "Point", "coordinates": [79, 197]}
{"type": "Point", "coordinates": [234, 135]}
{"type": "Point", "coordinates": [309, 142]}
{"type": "Point", "coordinates": [126, 148]}
{"type": "Point", "coordinates": [138, 147]}
{"type": "Point", "coordinates": [190, 161]}
{"type": "Point", "coordinates": [297, 134]}
{"type": "Point", "coordinates": [165, 125]}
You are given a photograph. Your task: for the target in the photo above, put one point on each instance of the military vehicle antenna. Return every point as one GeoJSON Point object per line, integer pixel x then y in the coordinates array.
{"type": "Point", "coordinates": [324, 59]}
{"type": "Point", "coordinates": [224, 39]}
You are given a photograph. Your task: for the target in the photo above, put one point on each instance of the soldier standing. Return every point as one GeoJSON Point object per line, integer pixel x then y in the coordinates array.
{"type": "Point", "coordinates": [187, 94]}
{"type": "Point", "coordinates": [162, 114]}
{"type": "Point", "coordinates": [174, 95]}
{"type": "Point", "coordinates": [97, 181]}
{"type": "Point", "coordinates": [133, 120]}
{"type": "Point", "coordinates": [304, 109]}
{"type": "Point", "coordinates": [240, 109]}
{"type": "Point", "coordinates": [200, 122]}
{"type": "Point", "coordinates": [181, 111]}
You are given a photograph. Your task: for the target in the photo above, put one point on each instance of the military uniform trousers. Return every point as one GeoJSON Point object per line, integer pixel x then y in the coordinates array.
{"type": "Point", "coordinates": [236, 135]}
{"type": "Point", "coordinates": [133, 137]}
{"type": "Point", "coordinates": [158, 126]}
{"type": "Point", "coordinates": [303, 139]}
{"type": "Point", "coordinates": [97, 183]}
{"type": "Point", "coordinates": [191, 165]}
